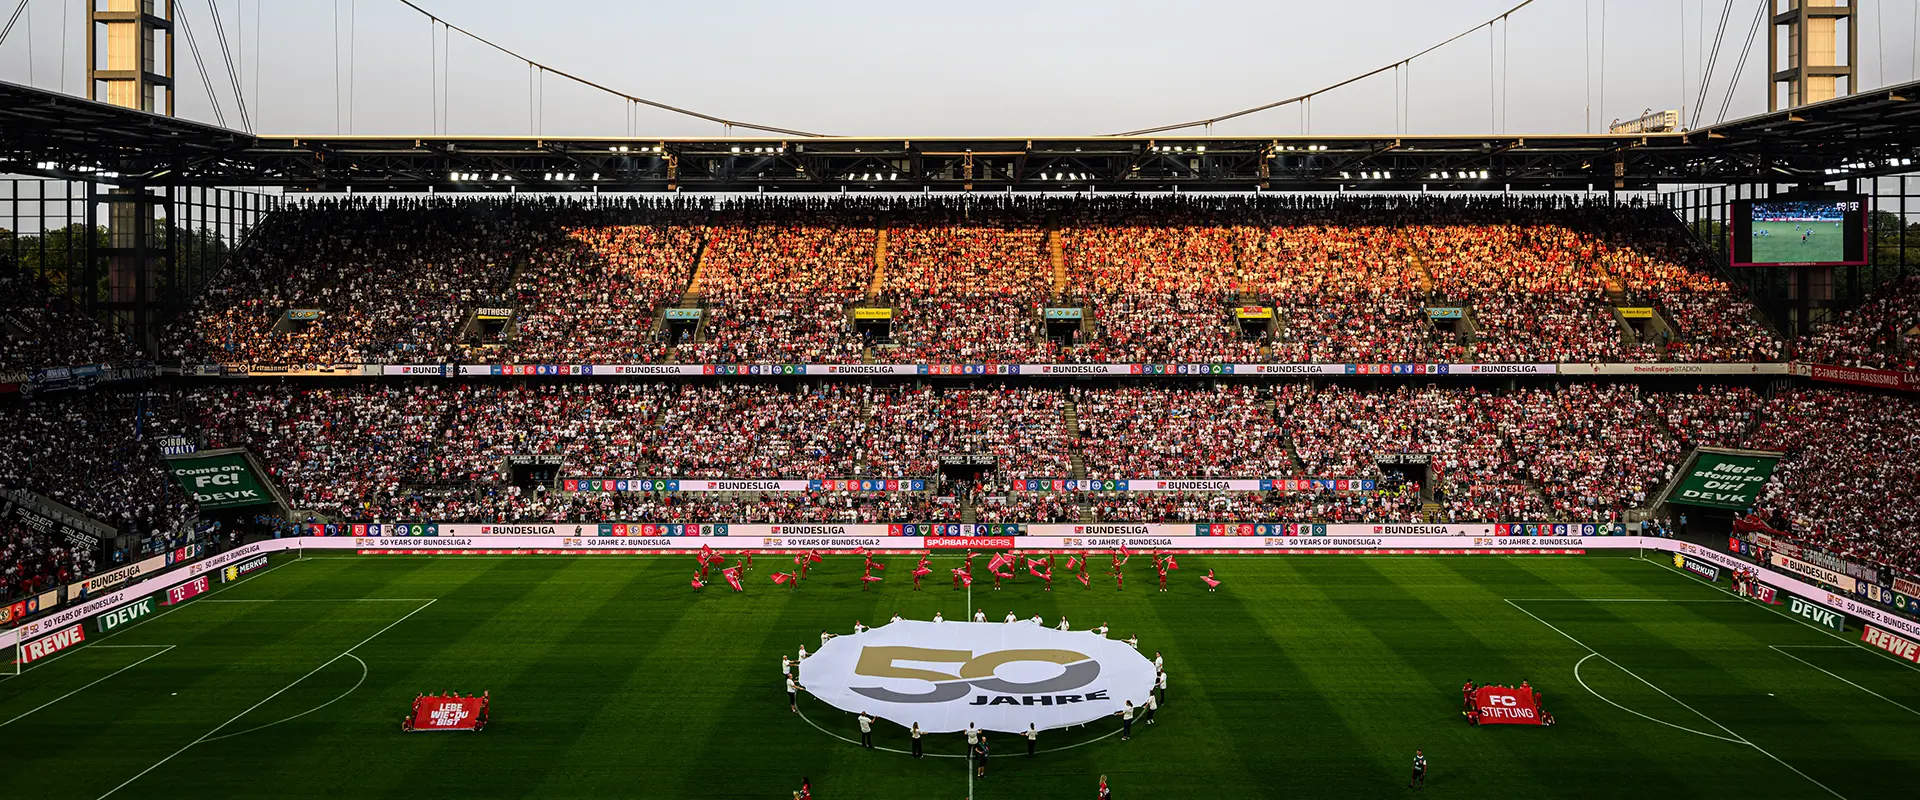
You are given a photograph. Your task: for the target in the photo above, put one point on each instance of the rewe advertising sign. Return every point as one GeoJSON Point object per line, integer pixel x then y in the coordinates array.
{"type": "Point", "coordinates": [996, 676]}
{"type": "Point", "coordinates": [52, 643]}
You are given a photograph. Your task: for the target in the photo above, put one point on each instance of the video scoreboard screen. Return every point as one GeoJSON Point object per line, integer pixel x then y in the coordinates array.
{"type": "Point", "coordinates": [1823, 232]}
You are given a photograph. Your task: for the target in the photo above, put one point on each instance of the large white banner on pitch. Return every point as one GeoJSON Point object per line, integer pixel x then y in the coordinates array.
{"type": "Point", "coordinates": [996, 676]}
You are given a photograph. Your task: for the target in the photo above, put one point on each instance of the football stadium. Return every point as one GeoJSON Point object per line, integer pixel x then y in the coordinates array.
{"type": "Point", "coordinates": [1470, 416]}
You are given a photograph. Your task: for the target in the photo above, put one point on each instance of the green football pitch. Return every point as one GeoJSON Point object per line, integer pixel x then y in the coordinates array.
{"type": "Point", "coordinates": [1304, 676]}
{"type": "Point", "coordinates": [1782, 245]}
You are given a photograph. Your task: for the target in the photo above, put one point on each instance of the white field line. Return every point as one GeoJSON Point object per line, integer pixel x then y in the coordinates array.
{"type": "Point", "coordinates": [343, 695]}
{"type": "Point", "coordinates": [1777, 649]}
{"type": "Point", "coordinates": [164, 649]}
{"type": "Point", "coordinates": [264, 701]}
{"type": "Point", "coordinates": [1590, 690]}
{"type": "Point", "coordinates": [139, 622]}
{"type": "Point", "coordinates": [1683, 704]}
{"type": "Point", "coordinates": [1850, 643]}
{"type": "Point", "coordinates": [1619, 600]}
{"type": "Point", "coordinates": [329, 600]}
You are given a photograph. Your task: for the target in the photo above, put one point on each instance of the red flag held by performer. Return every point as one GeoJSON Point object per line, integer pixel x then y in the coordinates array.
{"type": "Point", "coordinates": [781, 577]}
{"type": "Point", "coordinates": [732, 574]}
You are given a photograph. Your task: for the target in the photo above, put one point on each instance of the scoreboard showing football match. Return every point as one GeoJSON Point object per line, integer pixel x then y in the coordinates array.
{"type": "Point", "coordinates": [1824, 231]}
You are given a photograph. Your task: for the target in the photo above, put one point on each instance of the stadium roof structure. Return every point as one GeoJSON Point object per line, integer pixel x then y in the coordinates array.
{"type": "Point", "coordinates": [58, 135]}
{"type": "Point", "coordinates": [1858, 136]}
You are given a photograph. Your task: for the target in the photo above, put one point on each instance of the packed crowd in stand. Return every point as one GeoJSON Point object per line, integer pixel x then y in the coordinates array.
{"type": "Point", "coordinates": [386, 452]}
{"type": "Point", "coordinates": [1156, 292]}
{"type": "Point", "coordinates": [777, 280]}
{"type": "Point", "coordinates": [1880, 333]}
{"type": "Point", "coordinates": [441, 451]}
{"type": "Point", "coordinates": [1179, 432]}
{"type": "Point", "coordinates": [391, 287]}
{"type": "Point", "coordinates": [39, 329]}
{"type": "Point", "coordinates": [1350, 280]}
{"type": "Point", "coordinates": [593, 296]}
{"type": "Point", "coordinates": [33, 562]}
{"type": "Point", "coordinates": [1851, 481]}
{"type": "Point", "coordinates": [783, 293]}
{"type": "Point", "coordinates": [93, 452]}
{"type": "Point", "coordinates": [967, 293]}
{"type": "Point", "coordinates": [85, 451]}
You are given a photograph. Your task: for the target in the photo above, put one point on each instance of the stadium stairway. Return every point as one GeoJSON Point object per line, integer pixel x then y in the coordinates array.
{"type": "Point", "coordinates": [1293, 456]}
{"type": "Point", "coordinates": [1070, 427]}
{"type": "Point", "coordinates": [1056, 251]}
{"type": "Point", "coordinates": [879, 282]}
{"type": "Point", "coordinates": [691, 296]}
{"type": "Point", "coordinates": [1628, 337]}
{"type": "Point", "coordinates": [1426, 275]}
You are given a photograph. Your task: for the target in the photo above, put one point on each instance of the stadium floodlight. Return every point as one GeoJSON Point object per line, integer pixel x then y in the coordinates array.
{"type": "Point", "coordinates": [1343, 176]}
{"type": "Point", "coordinates": [893, 176]}
{"type": "Point", "coordinates": [1200, 149]}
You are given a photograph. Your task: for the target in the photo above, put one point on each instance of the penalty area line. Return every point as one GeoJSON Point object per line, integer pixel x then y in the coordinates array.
{"type": "Point", "coordinates": [1770, 608]}
{"type": "Point", "coordinates": [139, 622]}
{"type": "Point", "coordinates": [1618, 600]}
{"type": "Point", "coordinates": [1683, 704]}
{"type": "Point", "coordinates": [1776, 648]}
{"type": "Point", "coordinates": [165, 648]}
{"type": "Point", "coordinates": [283, 690]}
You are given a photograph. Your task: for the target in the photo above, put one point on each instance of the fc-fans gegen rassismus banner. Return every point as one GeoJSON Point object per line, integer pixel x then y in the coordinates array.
{"type": "Point", "coordinates": [219, 481]}
{"type": "Point", "coordinates": [945, 676]}
{"type": "Point", "coordinates": [1721, 480]}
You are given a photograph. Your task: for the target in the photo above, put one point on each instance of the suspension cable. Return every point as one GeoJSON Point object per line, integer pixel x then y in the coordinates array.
{"type": "Point", "coordinates": [1752, 35]}
{"type": "Point", "coordinates": [193, 48]}
{"type": "Point", "coordinates": [1323, 90]}
{"type": "Point", "coordinates": [593, 85]}
{"type": "Point", "coordinates": [1713, 56]}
